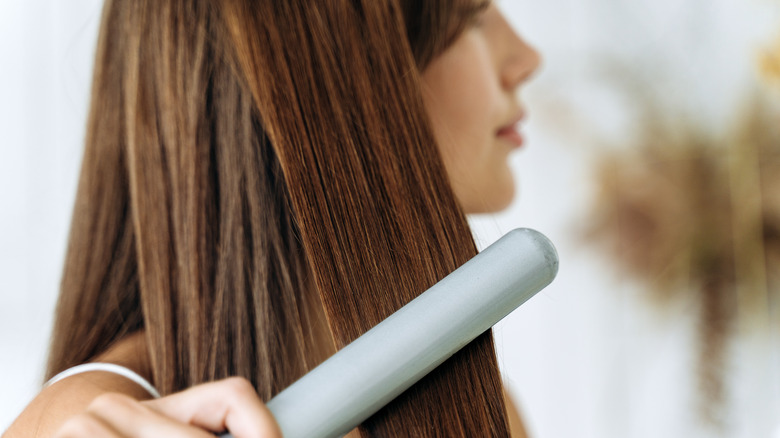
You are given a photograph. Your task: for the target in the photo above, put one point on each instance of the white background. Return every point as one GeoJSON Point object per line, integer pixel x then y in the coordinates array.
{"type": "Point", "coordinates": [585, 358]}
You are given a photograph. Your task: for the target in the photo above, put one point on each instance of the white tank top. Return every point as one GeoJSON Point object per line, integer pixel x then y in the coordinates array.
{"type": "Point", "coordinates": [108, 367]}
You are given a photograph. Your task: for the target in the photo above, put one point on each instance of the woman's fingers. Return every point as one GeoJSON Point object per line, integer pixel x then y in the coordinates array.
{"type": "Point", "coordinates": [132, 419]}
{"type": "Point", "coordinates": [231, 404]}
{"type": "Point", "coordinates": [117, 415]}
{"type": "Point", "coordinates": [86, 425]}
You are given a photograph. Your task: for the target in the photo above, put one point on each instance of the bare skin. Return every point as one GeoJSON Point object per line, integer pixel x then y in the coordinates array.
{"type": "Point", "coordinates": [70, 397]}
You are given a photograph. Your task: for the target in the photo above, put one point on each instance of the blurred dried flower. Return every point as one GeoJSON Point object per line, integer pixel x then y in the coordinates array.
{"type": "Point", "coordinates": [769, 62]}
{"type": "Point", "coordinates": [689, 213]}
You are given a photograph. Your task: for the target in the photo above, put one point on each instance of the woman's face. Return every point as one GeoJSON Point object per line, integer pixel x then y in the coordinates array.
{"type": "Point", "coordinates": [470, 94]}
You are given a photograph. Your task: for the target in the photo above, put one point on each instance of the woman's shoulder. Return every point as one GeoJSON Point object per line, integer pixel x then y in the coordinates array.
{"type": "Point", "coordinates": [71, 395]}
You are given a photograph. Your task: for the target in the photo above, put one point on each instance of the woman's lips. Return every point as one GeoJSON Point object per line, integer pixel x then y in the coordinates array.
{"type": "Point", "coordinates": [511, 133]}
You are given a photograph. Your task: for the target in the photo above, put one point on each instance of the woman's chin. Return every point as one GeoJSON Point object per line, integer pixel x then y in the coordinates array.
{"type": "Point", "coordinates": [490, 201]}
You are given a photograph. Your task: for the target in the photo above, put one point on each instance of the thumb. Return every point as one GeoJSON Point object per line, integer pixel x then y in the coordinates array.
{"type": "Point", "coordinates": [231, 404]}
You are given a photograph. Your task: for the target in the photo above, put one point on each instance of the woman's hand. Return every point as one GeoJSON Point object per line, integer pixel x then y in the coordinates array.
{"type": "Point", "coordinates": [200, 411]}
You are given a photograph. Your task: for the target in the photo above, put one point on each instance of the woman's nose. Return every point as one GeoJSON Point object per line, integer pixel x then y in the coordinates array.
{"type": "Point", "coordinates": [520, 59]}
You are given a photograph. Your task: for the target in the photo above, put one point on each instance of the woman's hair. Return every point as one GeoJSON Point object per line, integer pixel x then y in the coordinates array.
{"type": "Point", "coordinates": [251, 163]}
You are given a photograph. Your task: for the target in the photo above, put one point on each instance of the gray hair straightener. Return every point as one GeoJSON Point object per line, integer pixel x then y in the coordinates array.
{"type": "Point", "coordinates": [361, 378]}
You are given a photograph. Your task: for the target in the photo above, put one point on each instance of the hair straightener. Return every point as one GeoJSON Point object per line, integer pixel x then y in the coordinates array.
{"type": "Point", "coordinates": [361, 378]}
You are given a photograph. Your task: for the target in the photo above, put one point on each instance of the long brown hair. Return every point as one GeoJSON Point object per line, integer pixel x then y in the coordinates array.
{"type": "Point", "coordinates": [251, 163]}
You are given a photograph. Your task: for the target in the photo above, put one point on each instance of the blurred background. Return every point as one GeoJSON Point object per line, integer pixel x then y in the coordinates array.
{"type": "Point", "coordinates": [652, 160]}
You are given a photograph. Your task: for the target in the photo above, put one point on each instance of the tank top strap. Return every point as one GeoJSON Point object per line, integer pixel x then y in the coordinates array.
{"type": "Point", "coordinates": [107, 367]}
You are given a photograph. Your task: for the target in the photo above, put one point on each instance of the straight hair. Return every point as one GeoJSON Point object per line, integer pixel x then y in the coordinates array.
{"type": "Point", "coordinates": [257, 170]}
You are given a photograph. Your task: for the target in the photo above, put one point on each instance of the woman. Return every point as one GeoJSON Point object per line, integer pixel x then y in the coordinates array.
{"type": "Point", "coordinates": [262, 184]}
